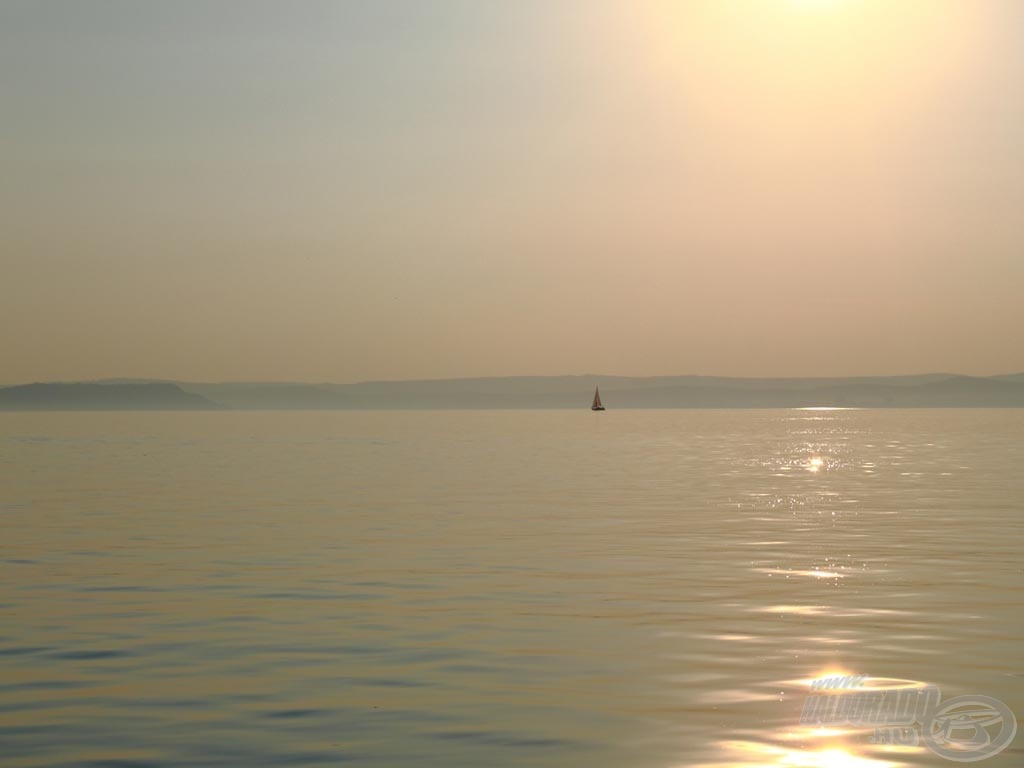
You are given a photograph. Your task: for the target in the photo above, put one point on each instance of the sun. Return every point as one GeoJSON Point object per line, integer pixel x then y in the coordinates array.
{"type": "Point", "coordinates": [815, 4]}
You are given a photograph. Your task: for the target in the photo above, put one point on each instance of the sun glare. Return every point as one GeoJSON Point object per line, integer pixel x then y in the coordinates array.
{"type": "Point", "coordinates": [815, 4]}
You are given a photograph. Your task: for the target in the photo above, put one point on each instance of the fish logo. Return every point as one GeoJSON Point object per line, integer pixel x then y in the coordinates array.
{"type": "Point", "coordinates": [962, 729]}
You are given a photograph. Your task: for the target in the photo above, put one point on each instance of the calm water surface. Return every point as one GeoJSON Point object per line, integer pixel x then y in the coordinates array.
{"type": "Point", "coordinates": [630, 588]}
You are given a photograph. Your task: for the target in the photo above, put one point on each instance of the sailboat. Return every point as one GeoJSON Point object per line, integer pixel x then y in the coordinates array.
{"type": "Point", "coordinates": [597, 401]}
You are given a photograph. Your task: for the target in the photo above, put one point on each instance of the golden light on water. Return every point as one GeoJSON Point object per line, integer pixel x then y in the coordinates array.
{"type": "Point", "coordinates": [814, 573]}
{"type": "Point", "coordinates": [800, 746]}
{"type": "Point", "coordinates": [834, 758]}
{"type": "Point", "coordinates": [749, 754]}
{"type": "Point", "coordinates": [821, 675]}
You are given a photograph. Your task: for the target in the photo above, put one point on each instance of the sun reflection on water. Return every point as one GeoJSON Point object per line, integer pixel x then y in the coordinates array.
{"type": "Point", "coordinates": [814, 746]}
{"type": "Point", "coordinates": [757, 755]}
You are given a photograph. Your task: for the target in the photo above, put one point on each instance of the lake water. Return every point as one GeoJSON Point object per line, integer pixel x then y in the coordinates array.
{"type": "Point", "coordinates": [478, 588]}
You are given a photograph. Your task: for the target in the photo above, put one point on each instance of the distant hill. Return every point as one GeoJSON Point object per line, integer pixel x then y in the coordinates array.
{"type": "Point", "coordinates": [1017, 377]}
{"type": "Point", "coordinates": [922, 391]}
{"type": "Point", "coordinates": [102, 397]}
{"type": "Point", "coordinates": [937, 390]}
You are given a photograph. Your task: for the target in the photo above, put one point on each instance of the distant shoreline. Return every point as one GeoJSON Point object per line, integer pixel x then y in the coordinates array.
{"type": "Point", "coordinates": [526, 393]}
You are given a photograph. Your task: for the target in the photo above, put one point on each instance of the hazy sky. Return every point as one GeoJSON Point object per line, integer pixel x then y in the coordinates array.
{"type": "Point", "coordinates": [383, 189]}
